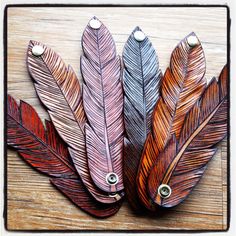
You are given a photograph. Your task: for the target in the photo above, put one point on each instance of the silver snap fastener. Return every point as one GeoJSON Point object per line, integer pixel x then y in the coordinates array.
{"type": "Point", "coordinates": [139, 36]}
{"type": "Point", "coordinates": [112, 178]}
{"type": "Point", "coordinates": [192, 41]}
{"type": "Point", "coordinates": [95, 23]}
{"type": "Point", "coordinates": [37, 50]}
{"type": "Point", "coordinates": [164, 190]}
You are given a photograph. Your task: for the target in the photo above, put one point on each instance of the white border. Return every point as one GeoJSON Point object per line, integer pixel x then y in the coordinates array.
{"type": "Point", "coordinates": [231, 4]}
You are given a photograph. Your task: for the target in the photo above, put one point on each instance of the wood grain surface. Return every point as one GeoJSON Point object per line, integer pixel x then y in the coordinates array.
{"type": "Point", "coordinates": [32, 202]}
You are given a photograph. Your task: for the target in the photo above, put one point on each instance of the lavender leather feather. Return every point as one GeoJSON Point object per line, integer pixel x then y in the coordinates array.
{"type": "Point", "coordinates": [103, 104]}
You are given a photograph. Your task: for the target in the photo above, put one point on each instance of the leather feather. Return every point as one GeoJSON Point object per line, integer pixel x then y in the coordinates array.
{"type": "Point", "coordinates": [59, 90]}
{"type": "Point", "coordinates": [74, 190]}
{"type": "Point", "coordinates": [45, 151]}
{"type": "Point", "coordinates": [141, 79]}
{"type": "Point", "coordinates": [103, 104]}
{"type": "Point", "coordinates": [183, 162]}
{"type": "Point", "coordinates": [41, 149]}
{"type": "Point", "coordinates": [182, 85]}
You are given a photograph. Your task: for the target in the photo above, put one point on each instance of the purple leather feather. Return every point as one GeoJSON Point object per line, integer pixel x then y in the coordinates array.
{"type": "Point", "coordinates": [103, 104]}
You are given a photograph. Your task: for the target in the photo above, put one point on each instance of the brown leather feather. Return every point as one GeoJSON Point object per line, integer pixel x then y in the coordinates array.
{"type": "Point", "coordinates": [103, 104]}
{"type": "Point", "coordinates": [59, 90]}
{"type": "Point", "coordinates": [182, 85]}
{"type": "Point", "coordinates": [182, 163]}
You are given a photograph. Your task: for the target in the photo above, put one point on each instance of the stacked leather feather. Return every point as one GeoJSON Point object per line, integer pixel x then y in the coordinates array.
{"type": "Point", "coordinates": [129, 130]}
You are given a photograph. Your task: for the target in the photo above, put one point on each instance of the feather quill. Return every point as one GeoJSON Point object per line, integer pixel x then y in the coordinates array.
{"type": "Point", "coordinates": [183, 162]}
{"type": "Point", "coordinates": [103, 104]}
{"type": "Point", "coordinates": [182, 85]}
{"type": "Point", "coordinates": [45, 151]}
{"type": "Point", "coordinates": [59, 90]}
{"type": "Point", "coordinates": [141, 79]}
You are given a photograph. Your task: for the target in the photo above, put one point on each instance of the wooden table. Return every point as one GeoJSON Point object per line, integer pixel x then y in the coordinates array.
{"type": "Point", "coordinates": [32, 203]}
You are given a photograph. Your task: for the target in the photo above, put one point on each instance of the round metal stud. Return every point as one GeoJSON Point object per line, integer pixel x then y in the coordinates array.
{"type": "Point", "coordinates": [139, 36]}
{"type": "Point", "coordinates": [112, 178]}
{"type": "Point", "coordinates": [164, 190]}
{"type": "Point", "coordinates": [192, 41]}
{"type": "Point", "coordinates": [37, 50]}
{"type": "Point", "coordinates": [115, 195]}
{"type": "Point", "coordinates": [95, 23]}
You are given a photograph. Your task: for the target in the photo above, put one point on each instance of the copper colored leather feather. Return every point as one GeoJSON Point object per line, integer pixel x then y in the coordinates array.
{"type": "Point", "coordinates": [45, 151]}
{"type": "Point", "coordinates": [182, 85]}
{"type": "Point", "coordinates": [141, 79]}
{"type": "Point", "coordinates": [103, 104]}
{"type": "Point", "coordinates": [59, 90]}
{"type": "Point", "coordinates": [183, 162]}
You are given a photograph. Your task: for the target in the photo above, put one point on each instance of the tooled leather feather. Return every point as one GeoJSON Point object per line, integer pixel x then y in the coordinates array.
{"type": "Point", "coordinates": [141, 79]}
{"type": "Point", "coordinates": [45, 151]}
{"type": "Point", "coordinates": [58, 88]}
{"type": "Point", "coordinates": [41, 149]}
{"type": "Point", "coordinates": [103, 104]}
{"type": "Point", "coordinates": [74, 190]}
{"type": "Point", "coordinates": [182, 85]}
{"type": "Point", "coordinates": [205, 125]}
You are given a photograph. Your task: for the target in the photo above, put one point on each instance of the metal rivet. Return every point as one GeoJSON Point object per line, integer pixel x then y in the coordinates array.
{"type": "Point", "coordinates": [115, 195]}
{"type": "Point", "coordinates": [37, 50]}
{"type": "Point", "coordinates": [192, 41]}
{"type": "Point", "coordinates": [95, 23]}
{"type": "Point", "coordinates": [112, 178]}
{"type": "Point", "coordinates": [164, 190]}
{"type": "Point", "coordinates": [139, 36]}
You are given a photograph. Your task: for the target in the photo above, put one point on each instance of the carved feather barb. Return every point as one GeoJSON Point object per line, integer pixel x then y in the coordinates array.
{"type": "Point", "coordinates": [45, 151]}
{"type": "Point", "coordinates": [141, 79]}
{"type": "Point", "coordinates": [59, 90]}
{"type": "Point", "coordinates": [183, 162]}
{"type": "Point", "coordinates": [103, 104]}
{"type": "Point", "coordinates": [182, 85]}
{"type": "Point", "coordinates": [41, 149]}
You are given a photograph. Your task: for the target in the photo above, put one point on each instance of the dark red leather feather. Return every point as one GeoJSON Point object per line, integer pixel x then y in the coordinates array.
{"type": "Point", "coordinates": [45, 151]}
{"type": "Point", "coordinates": [183, 162]}
{"type": "Point", "coordinates": [75, 191]}
{"type": "Point", "coordinates": [103, 104]}
{"type": "Point", "coordinates": [41, 149]}
{"type": "Point", "coordinates": [59, 90]}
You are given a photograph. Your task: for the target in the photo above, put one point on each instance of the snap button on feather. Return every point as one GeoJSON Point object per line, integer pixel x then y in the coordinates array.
{"type": "Point", "coordinates": [164, 190]}
{"type": "Point", "coordinates": [37, 50]}
{"type": "Point", "coordinates": [112, 178]}
{"type": "Point", "coordinates": [139, 36]}
{"type": "Point", "coordinates": [95, 24]}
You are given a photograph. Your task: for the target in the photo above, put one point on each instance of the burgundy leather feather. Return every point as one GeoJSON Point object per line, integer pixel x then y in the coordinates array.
{"type": "Point", "coordinates": [103, 104]}
{"type": "Point", "coordinates": [41, 149]}
{"type": "Point", "coordinates": [59, 90]}
{"type": "Point", "coordinates": [183, 162]}
{"type": "Point", "coordinates": [45, 151]}
{"type": "Point", "coordinates": [182, 85]}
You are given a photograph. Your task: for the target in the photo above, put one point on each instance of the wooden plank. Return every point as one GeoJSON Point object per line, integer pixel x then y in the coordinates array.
{"type": "Point", "coordinates": [32, 202]}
